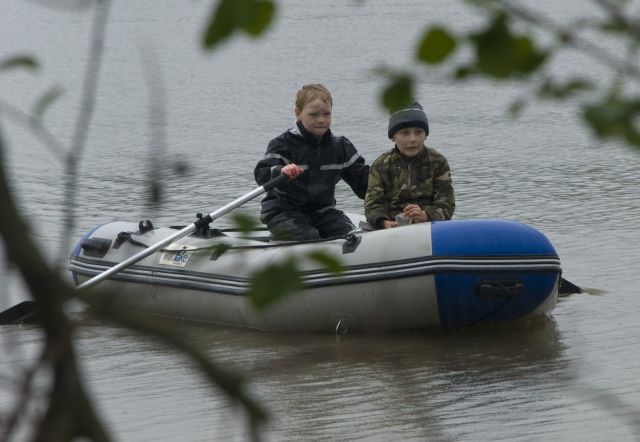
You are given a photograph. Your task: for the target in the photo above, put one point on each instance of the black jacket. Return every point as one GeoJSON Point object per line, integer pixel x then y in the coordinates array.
{"type": "Point", "coordinates": [325, 161]}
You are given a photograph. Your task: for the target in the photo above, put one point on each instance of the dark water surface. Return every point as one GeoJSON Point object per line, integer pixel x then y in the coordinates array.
{"type": "Point", "coordinates": [571, 377]}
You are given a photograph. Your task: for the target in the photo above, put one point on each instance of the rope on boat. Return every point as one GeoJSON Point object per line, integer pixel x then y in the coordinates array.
{"type": "Point", "coordinates": [228, 247]}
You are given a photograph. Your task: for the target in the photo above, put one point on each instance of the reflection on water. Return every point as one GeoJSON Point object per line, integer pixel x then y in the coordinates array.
{"type": "Point", "coordinates": [437, 384]}
{"type": "Point", "coordinates": [475, 383]}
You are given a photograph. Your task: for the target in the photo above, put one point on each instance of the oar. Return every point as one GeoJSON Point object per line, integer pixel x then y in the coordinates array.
{"type": "Point", "coordinates": [567, 288]}
{"type": "Point", "coordinates": [25, 311]}
{"type": "Point", "coordinates": [185, 231]}
{"type": "Point", "coordinates": [22, 312]}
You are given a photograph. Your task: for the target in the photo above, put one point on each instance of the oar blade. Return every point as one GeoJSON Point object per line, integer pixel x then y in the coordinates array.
{"type": "Point", "coordinates": [568, 288]}
{"type": "Point", "coordinates": [24, 312]}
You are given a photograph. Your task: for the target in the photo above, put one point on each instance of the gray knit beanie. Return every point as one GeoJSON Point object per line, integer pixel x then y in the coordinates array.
{"type": "Point", "coordinates": [413, 116]}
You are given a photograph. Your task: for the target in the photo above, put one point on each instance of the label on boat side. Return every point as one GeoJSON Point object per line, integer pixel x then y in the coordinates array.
{"type": "Point", "coordinates": [175, 257]}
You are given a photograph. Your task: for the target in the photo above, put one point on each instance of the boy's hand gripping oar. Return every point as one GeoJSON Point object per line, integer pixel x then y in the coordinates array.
{"type": "Point", "coordinates": [25, 310]}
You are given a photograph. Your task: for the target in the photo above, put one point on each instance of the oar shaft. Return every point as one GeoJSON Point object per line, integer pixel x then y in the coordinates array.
{"type": "Point", "coordinates": [183, 232]}
{"type": "Point", "coordinates": [237, 203]}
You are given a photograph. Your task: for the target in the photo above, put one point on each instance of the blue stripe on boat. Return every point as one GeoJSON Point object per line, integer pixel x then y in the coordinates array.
{"type": "Point", "coordinates": [487, 238]}
{"type": "Point", "coordinates": [458, 301]}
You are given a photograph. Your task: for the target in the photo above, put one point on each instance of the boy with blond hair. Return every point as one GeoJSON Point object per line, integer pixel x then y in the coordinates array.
{"type": "Point", "coordinates": [315, 160]}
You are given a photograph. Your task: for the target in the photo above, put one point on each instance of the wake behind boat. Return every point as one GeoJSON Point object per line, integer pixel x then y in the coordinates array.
{"type": "Point", "coordinates": [443, 273]}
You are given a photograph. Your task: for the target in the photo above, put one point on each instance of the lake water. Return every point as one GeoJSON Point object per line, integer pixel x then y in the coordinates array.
{"type": "Point", "coordinates": [571, 377]}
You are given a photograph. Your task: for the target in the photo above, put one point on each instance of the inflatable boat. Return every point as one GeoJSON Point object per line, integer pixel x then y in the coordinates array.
{"type": "Point", "coordinates": [442, 273]}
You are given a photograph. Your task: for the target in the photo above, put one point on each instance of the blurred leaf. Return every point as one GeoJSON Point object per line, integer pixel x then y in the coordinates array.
{"type": "Point", "coordinates": [615, 118]}
{"type": "Point", "coordinates": [155, 191]}
{"type": "Point", "coordinates": [274, 282]}
{"type": "Point", "coordinates": [550, 89]}
{"type": "Point", "coordinates": [45, 101]}
{"type": "Point", "coordinates": [501, 54]}
{"type": "Point", "coordinates": [262, 15]}
{"type": "Point", "coordinates": [326, 260]}
{"type": "Point", "coordinates": [20, 61]}
{"type": "Point", "coordinates": [614, 27]}
{"type": "Point", "coordinates": [463, 72]}
{"type": "Point", "coordinates": [436, 45]}
{"type": "Point", "coordinates": [180, 167]}
{"type": "Point", "coordinates": [516, 107]}
{"type": "Point", "coordinates": [477, 3]}
{"type": "Point", "coordinates": [252, 16]}
{"type": "Point", "coordinates": [398, 94]}
{"type": "Point", "coordinates": [222, 23]}
{"type": "Point", "coordinates": [244, 222]}
{"type": "Point", "coordinates": [220, 250]}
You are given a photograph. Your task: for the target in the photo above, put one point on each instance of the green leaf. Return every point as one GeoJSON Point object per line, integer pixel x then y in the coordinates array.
{"type": "Point", "coordinates": [21, 61]}
{"type": "Point", "coordinates": [501, 54]}
{"type": "Point", "coordinates": [614, 27]}
{"type": "Point", "coordinates": [516, 108]}
{"type": "Point", "coordinates": [463, 72]}
{"type": "Point", "coordinates": [273, 282]}
{"type": "Point", "coordinates": [244, 222]}
{"type": "Point", "coordinates": [527, 58]}
{"type": "Point", "coordinates": [261, 16]}
{"type": "Point", "coordinates": [45, 101]}
{"type": "Point", "coordinates": [398, 94]}
{"type": "Point", "coordinates": [615, 117]}
{"type": "Point", "coordinates": [221, 24]}
{"type": "Point", "coordinates": [220, 250]}
{"type": "Point", "coordinates": [252, 16]}
{"type": "Point", "coordinates": [436, 45]}
{"type": "Point", "coordinates": [326, 260]}
{"type": "Point", "coordinates": [551, 89]}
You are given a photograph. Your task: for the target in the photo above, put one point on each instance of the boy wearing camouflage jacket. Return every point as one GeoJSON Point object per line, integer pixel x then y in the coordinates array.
{"type": "Point", "coordinates": [411, 181]}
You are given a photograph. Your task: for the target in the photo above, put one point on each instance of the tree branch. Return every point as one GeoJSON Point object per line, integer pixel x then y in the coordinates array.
{"type": "Point", "coordinates": [37, 127]}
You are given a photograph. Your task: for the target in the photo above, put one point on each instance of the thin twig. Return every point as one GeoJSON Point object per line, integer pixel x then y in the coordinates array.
{"type": "Point", "coordinates": [24, 395]}
{"type": "Point", "coordinates": [157, 123]}
{"type": "Point", "coordinates": [621, 18]}
{"type": "Point", "coordinates": [230, 383]}
{"type": "Point", "coordinates": [87, 105]}
{"type": "Point", "coordinates": [37, 127]}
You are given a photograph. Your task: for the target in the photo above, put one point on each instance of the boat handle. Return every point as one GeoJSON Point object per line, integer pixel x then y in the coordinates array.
{"type": "Point", "coordinates": [499, 288]}
{"type": "Point", "coordinates": [96, 247]}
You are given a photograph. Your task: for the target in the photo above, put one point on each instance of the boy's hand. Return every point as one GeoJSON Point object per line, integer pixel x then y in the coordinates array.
{"type": "Point", "coordinates": [293, 171]}
{"type": "Point", "coordinates": [414, 212]}
{"type": "Point", "coordinates": [387, 224]}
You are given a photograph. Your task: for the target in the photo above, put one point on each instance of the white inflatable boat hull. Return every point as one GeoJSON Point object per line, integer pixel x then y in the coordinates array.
{"type": "Point", "coordinates": [449, 273]}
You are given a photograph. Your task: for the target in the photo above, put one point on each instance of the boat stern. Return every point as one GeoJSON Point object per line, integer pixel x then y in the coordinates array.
{"type": "Point", "coordinates": [493, 271]}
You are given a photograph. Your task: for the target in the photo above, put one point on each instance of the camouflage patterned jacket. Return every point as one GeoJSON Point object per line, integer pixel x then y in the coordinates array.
{"type": "Point", "coordinates": [396, 180]}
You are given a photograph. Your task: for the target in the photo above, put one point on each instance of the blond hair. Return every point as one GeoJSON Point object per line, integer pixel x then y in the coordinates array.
{"type": "Point", "coordinates": [310, 92]}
